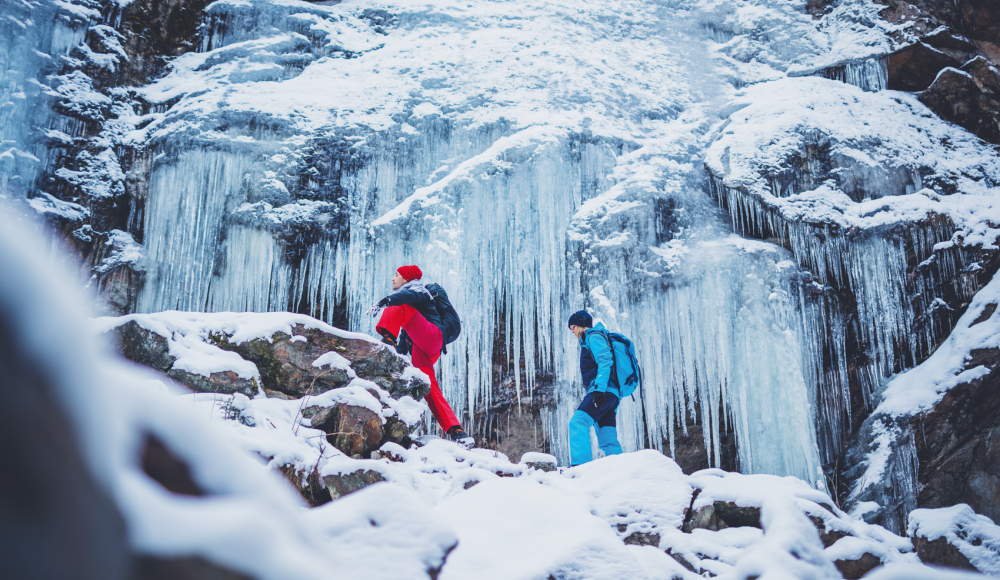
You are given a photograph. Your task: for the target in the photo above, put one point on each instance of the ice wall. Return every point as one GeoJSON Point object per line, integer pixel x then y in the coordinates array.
{"type": "Point", "coordinates": [305, 151]}
{"type": "Point", "coordinates": [34, 37]}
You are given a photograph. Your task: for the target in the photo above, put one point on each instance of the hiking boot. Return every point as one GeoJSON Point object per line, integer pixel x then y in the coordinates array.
{"type": "Point", "coordinates": [458, 435]}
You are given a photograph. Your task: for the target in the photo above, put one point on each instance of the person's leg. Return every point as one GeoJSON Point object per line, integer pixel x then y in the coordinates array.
{"type": "Point", "coordinates": [579, 438]}
{"type": "Point", "coordinates": [439, 406]}
{"type": "Point", "coordinates": [607, 430]}
{"type": "Point", "coordinates": [393, 318]}
{"type": "Point", "coordinates": [426, 339]}
{"type": "Point", "coordinates": [425, 336]}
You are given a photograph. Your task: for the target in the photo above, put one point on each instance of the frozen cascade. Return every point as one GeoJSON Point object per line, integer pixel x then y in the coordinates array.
{"type": "Point", "coordinates": [869, 74]}
{"type": "Point", "coordinates": [308, 150]}
{"type": "Point", "coordinates": [739, 337]}
{"type": "Point", "coordinates": [32, 41]}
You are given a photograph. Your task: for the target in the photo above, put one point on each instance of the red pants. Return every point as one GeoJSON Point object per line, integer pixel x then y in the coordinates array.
{"type": "Point", "coordinates": [426, 339]}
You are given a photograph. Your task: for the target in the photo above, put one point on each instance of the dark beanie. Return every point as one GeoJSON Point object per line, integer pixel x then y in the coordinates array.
{"type": "Point", "coordinates": [410, 273]}
{"type": "Point", "coordinates": [581, 318]}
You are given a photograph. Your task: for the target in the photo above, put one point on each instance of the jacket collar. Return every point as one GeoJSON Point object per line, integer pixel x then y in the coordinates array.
{"type": "Point", "coordinates": [416, 286]}
{"type": "Point", "coordinates": [598, 327]}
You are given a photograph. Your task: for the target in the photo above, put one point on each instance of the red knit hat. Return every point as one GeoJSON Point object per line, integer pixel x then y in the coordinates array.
{"type": "Point", "coordinates": [410, 273]}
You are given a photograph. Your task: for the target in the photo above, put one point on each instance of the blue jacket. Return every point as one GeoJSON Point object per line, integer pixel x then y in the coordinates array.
{"type": "Point", "coordinates": [596, 360]}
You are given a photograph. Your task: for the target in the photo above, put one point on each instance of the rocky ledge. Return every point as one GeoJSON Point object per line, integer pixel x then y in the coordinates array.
{"type": "Point", "coordinates": [356, 393]}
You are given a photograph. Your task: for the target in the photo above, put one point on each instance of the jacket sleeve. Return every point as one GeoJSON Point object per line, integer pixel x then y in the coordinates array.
{"type": "Point", "coordinates": [601, 349]}
{"type": "Point", "coordinates": [404, 297]}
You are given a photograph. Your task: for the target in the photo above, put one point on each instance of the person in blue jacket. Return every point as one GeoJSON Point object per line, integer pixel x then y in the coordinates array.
{"type": "Point", "coordinates": [600, 405]}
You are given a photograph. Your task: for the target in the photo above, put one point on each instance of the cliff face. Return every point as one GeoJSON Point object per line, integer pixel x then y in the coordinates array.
{"type": "Point", "coordinates": [286, 156]}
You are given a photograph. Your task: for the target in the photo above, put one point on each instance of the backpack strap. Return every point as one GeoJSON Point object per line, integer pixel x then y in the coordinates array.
{"type": "Point", "coordinates": [614, 360]}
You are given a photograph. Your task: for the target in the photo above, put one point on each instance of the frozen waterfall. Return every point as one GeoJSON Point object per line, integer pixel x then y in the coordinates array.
{"type": "Point", "coordinates": [307, 150]}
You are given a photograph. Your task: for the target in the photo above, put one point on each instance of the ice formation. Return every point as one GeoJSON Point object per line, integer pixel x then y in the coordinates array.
{"type": "Point", "coordinates": [306, 150]}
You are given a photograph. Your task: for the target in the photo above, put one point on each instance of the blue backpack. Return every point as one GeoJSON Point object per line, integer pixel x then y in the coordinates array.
{"type": "Point", "coordinates": [624, 364]}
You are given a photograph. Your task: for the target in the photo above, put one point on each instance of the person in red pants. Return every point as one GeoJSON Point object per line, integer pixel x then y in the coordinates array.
{"type": "Point", "coordinates": [412, 323]}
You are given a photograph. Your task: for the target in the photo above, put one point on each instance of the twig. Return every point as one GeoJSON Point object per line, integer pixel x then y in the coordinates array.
{"type": "Point", "coordinates": [295, 420]}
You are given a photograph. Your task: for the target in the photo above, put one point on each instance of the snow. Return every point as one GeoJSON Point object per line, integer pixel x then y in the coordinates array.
{"type": "Point", "coordinates": [920, 388]}
{"type": "Point", "coordinates": [975, 536]}
{"type": "Point", "coordinates": [645, 490]}
{"type": "Point", "coordinates": [917, 572]}
{"type": "Point", "coordinates": [386, 524]}
{"type": "Point", "coordinates": [790, 549]}
{"type": "Point", "coordinates": [122, 250]}
{"type": "Point", "coordinates": [501, 517]}
{"type": "Point", "coordinates": [240, 326]}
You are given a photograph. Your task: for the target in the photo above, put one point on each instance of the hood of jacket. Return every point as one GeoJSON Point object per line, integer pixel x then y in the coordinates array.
{"type": "Point", "coordinates": [597, 327]}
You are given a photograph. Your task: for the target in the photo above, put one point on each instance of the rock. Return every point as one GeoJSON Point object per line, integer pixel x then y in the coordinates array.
{"type": "Point", "coordinates": [958, 443]}
{"type": "Point", "coordinates": [143, 346]}
{"type": "Point", "coordinates": [956, 537]}
{"type": "Point", "coordinates": [721, 515]}
{"type": "Point", "coordinates": [340, 485]}
{"type": "Point", "coordinates": [946, 455]}
{"type": "Point", "coordinates": [736, 516]}
{"type": "Point", "coordinates": [396, 431]}
{"type": "Point", "coordinates": [221, 382]}
{"type": "Point", "coordinates": [353, 430]}
{"type": "Point", "coordinates": [286, 364]}
{"type": "Point", "coordinates": [854, 569]}
{"type": "Point", "coordinates": [940, 552]}
{"type": "Point", "coordinates": [969, 97]}
{"type": "Point", "coordinates": [539, 461]}
{"type": "Point", "coordinates": [164, 467]}
{"type": "Point", "coordinates": [186, 568]}
{"type": "Point", "coordinates": [309, 485]}
{"type": "Point", "coordinates": [914, 67]}
{"type": "Point", "coordinates": [683, 561]}
{"type": "Point", "coordinates": [829, 537]}
{"type": "Point", "coordinates": [643, 539]}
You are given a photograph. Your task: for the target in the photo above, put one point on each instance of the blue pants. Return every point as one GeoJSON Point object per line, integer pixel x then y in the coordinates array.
{"type": "Point", "coordinates": [588, 415]}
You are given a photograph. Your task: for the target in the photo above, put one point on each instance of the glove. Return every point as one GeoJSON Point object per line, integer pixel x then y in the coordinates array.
{"type": "Point", "coordinates": [387, 336]}
{"type": "Point", "coordinates": [373, 311]}
{"type": "Point", "coordinates": [598, 399]}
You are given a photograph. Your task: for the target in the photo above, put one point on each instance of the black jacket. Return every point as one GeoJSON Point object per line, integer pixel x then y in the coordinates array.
{"type": "Point", "coordinates": [419, 299]}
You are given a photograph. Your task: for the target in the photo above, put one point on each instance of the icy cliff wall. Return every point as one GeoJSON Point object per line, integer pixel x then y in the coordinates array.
{"type": "Point", "coordinates": [536, 159]}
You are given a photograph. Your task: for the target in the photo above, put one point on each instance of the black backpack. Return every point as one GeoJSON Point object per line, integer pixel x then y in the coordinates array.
{"type": "Point", "coordinates": [451, 325]}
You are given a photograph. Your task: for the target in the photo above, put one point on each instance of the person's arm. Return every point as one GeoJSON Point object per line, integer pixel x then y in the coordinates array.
{"type": "Point", "coordinates": [402, 297]}
{"type": "Point", "coordinates": [601, 349]}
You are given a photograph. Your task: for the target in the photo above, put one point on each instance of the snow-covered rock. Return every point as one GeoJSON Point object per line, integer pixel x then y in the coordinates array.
{"type": "Point", "coordinates": [956, 537]}
{"type": "Point", "coordinates": [280, 353]}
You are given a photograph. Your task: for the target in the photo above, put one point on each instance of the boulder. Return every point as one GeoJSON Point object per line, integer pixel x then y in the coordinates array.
{"type": "Point", "coordinates": [221, 382]}
{"type": "Point", "coordinates": [357, 431]}
{"type": "Point", "coordinates": [286, 363]}
{"type": "Point", "coordinates": [143, 346]}
{"type": "Point", "coordinates": [721, 515]}
{"type": "Point", "coordinates": [309, 485]}
{"type": "Point", "coordinates": [851, 569]}
{"type": "Point", "coordinates": [956, 537]}
{"type": "Point", "coordinates": [539, 461]}
{"type": "Point", "coordinates": [940, 552]}
{"type": "Point", "coordinates": [915, 67]}
{"type": "Point", "coordinates": [969, 97]}
{"type": "Point", "coordinates": [643, 539]}
{"type": "Point", "coordinates": [342, 484]}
